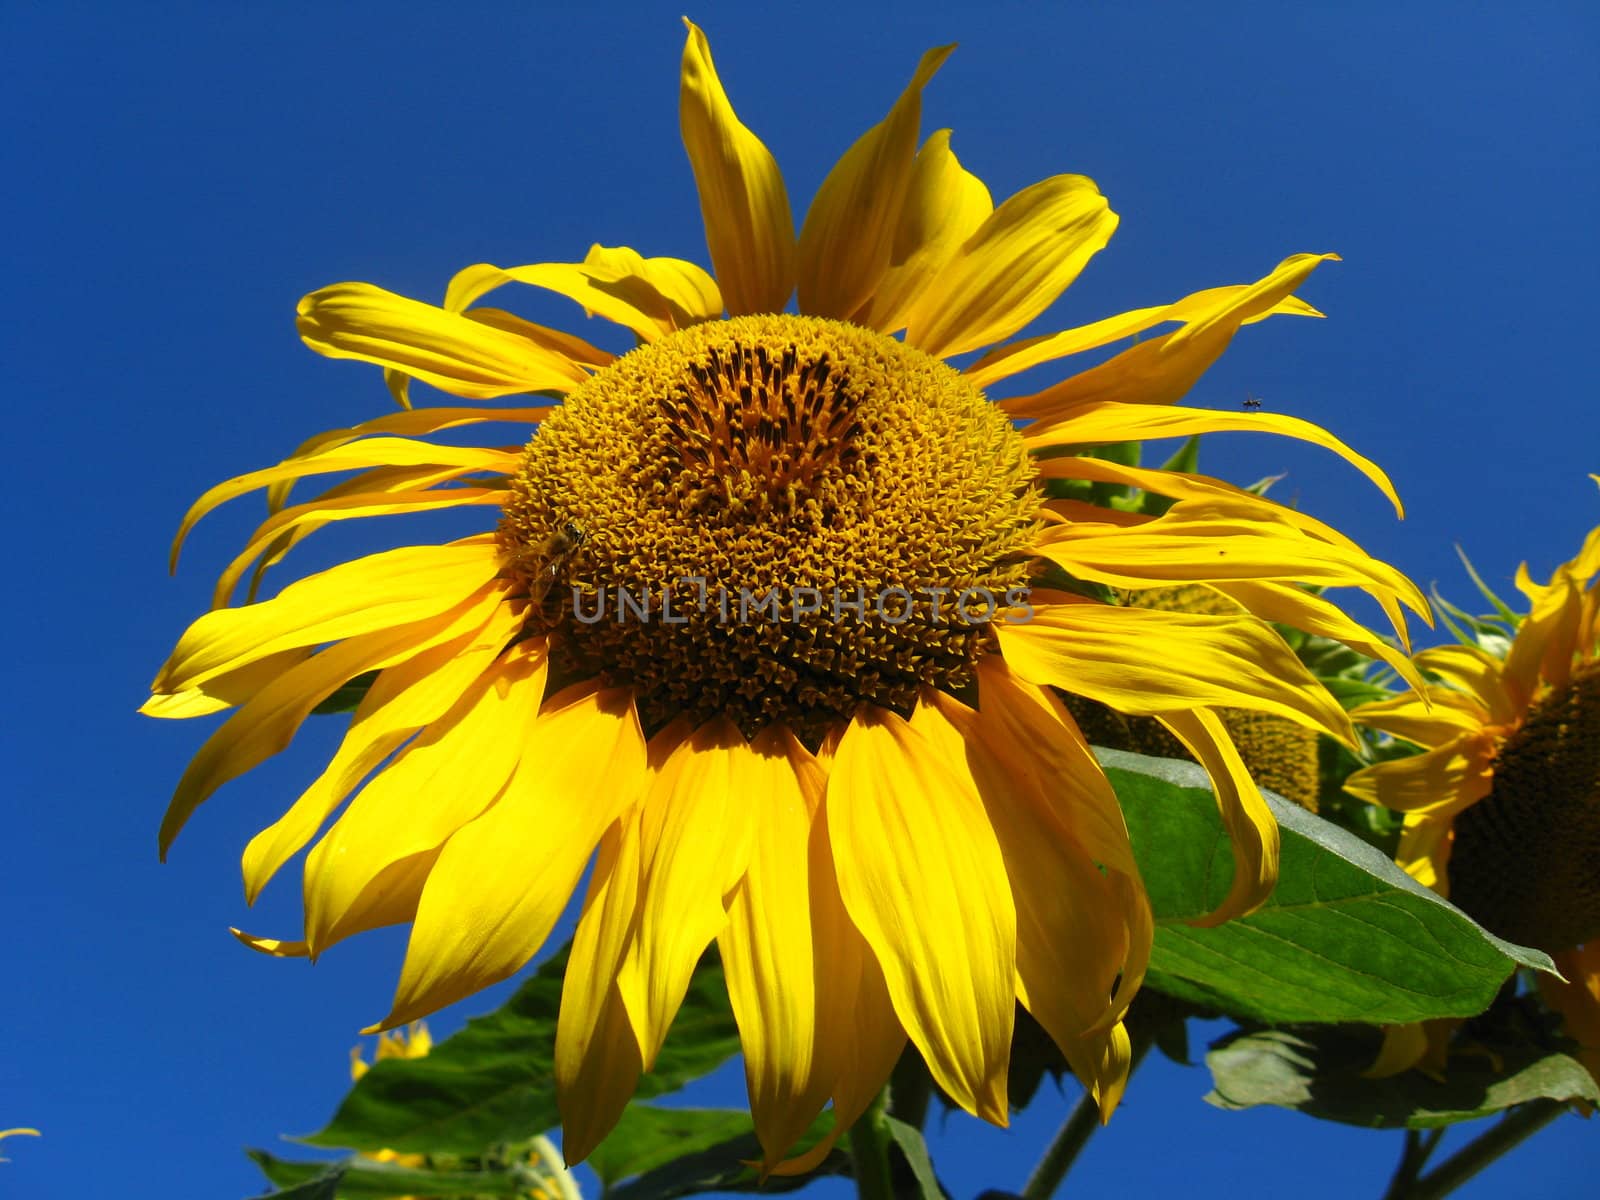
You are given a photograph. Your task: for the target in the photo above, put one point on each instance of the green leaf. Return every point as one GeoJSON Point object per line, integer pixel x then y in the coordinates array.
{"type": "Point", "coordinates": [720, 1168]}
{"type": "Point", "coordinates": [348, 697]}
{"type": "Point", "coordinates": [1319, 1073]}
{"type": "Point", "coordinates": [494, 1081]}
{"type": "Point", "coordinates": [301, 1180]}
{"type": "Point", "coordinates": [1346, 936]}
{"type": "Point", "coordinates": [647, 1137]}
{"type": "Point", "coordinates": [1185, 460]}
{"type": "Point", "coordinates": [909, 1140]}
{"type": "Point", "coordinates": [1351, 692]}
{"type": "Point", "coordinates": [368, 1179]}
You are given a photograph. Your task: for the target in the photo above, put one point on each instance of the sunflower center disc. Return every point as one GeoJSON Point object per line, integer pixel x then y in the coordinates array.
{"type": "Point", "coordinates": [776, 518]}
{"type": "Point", "coordinates": [1526, 859]}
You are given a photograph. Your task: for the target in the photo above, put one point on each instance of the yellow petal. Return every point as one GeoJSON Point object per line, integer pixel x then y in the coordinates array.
{"type": "Point", "coordinates": [859, 1037]}
{"type": "Point", "coordinates": [402, 699]}
{"type": "Point", "coordinates": [377, 481]}
{"type": "Point", "coordinates": [597, 1057]}
{"type": "Point", "coordinates": [1029, 725]}
{"type": "Point", "coordinates": [749, 229]}
{"type": "Point", "coordinates": [502, 879]}
{"type": "Point", "coordinates": [944, 206]}
{"type": "Point", "coordinates": [321, 512]}
{"type": "Point", "coordinates": [848, 235]}
{"type": "Point", "coordinates": [1438, 782]}
{"type": "Point", "coordinates": [1102, 1062]}
{"type": "Point", "coordinates": [1162, 370]}
{"type": "Point", "coordinates": [412, 423]}
{"type": "Point", "coordinates": [378, 592]}
{"type": "Point", "coordinates": [373, 452]}
{"type": "Point", "coordinates": [1181, 486]}
{"type": "Point", "coordinates": [1424, 850]}
{"type": "Point", "coordinates": [271, 947]}
{"type": "Point", "coordinates": [1290, 604]}
{"type": "Point", "coordinates": [698, 827]}
{"type": "Point", "coordinates": [1252, 829]}
{"type": "Point", "coordinates": [1012, 359]}
{"type": "Point", "coordinates": [453, 351]}
{"type": "Point", "coordinates": [767, 948]}
{"type": "Point", "coordinates": [1217, 542]}
{"type": "Point", "coordinates": [1109, 421]}
{"type": "Point", "coordinates": [1477, 673]}
{"type": "Point", "coordinates": [1403, 1048]}
{"type": "Point", "coordinates": [1072, 937]}
{"type": "Point", "coordinates": [1428, 720]}
{"type": "Point", "coordinates": [267, 723]}
{"type": "Point", "coordinates": [651, 296]}
{"type": "Point", "coordinates": [1013, 267]}
{"type": "Point", "coordinates": [603, 1081]}
{"type": "Point", "coordinates": [1149, 661]}
{"type": "Point", "coordinates": [1545, 642]}
{"type": "Point", "coordinates": [446, 777]}
{"type": "Point", "coordinates": [224, 691]}
{"type": "Point", "coordinates": [923, 879]}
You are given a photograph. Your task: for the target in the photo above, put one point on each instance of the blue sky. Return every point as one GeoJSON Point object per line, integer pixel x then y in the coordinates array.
{"type": "Point", "coordinates": [178, 177]}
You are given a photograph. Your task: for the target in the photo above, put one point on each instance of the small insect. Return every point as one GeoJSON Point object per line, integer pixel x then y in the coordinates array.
{"type": "Point", "coordinates": [1252, 403]}
{"type": "Point", "coordinates": [551, 557]}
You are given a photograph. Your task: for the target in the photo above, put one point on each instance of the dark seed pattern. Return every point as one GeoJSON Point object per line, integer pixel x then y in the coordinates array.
{"type": "Point", "coordinates": [1525, 860]}
{"type": "Point", "coordinates": [767, 454]}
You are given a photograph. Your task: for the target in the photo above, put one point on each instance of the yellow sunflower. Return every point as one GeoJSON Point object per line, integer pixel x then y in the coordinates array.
{"type": "Point", "coordinates": [752, 631]}
{"type": "Point", "coordinates": [1502, 807]}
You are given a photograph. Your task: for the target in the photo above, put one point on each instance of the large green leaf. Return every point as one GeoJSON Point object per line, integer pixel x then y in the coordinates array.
{"type": "Point", "coordinates": [1319, 1073]}
{"type": "Point", "coordinates": [368, 1179]}
{"type": "Point", "coordinates": [494, 1081]}
{"type": "Point", "coordinates": [300, 1180]}
{"type": "Point", "coordinates": [648, 1137]}
{"type": "Point", "coordinates": [720, 1167]}
{"type": "Point", "coordinates": [1346, 936]}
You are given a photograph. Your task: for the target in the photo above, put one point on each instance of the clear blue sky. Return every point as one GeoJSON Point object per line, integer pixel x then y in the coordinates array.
{"type": "Point", "coordinates": [177, 176]}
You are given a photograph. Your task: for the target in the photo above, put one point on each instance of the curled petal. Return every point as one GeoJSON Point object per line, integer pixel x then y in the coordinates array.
{"type": "Point", "coordinates": [848, 237]}
{"type": "Point", "coordinates": [465, 354]}
{"type": "Point", "coordinates": [1013, 267]}
{"type": "Point", "coordinates": [743, 203]}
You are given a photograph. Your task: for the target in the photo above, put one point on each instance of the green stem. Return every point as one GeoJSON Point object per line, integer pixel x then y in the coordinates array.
{"type": "Point", "coordinates": [1507, 1134]}
{"type": "Point", "coordinates": [869, 1152]}
{"type": "Point", "coordinates": [910, 1089]}
{"type": "Point", "coordinates": [1075, 1132]}
{"type": "Point", "coordinates": [1412, 1159]}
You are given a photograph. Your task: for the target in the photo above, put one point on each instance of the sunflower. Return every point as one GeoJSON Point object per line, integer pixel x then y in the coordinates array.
{"type": "Point", "coordinates": [755, 631]}
{"type": "Point", "coordinates": [1502, 806]}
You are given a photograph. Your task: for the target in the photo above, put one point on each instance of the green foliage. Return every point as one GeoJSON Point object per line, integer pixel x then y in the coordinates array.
{"type": "Point", "coordinates": [356, 1177]}
{"type": "Point", "coordinates": [908, 1140]}
{"type": "Point", "coordinates": [1319, 1073]}
{"type": "Point", "coordinates": [494, 1082]}
{"type": "Point", "coordinates": [1346, 936]}
{"type": "Point", "coordinates": [696, 1165]}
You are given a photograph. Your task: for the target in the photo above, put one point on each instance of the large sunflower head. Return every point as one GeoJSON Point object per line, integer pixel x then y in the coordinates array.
{"type": "Point", "coordinates": [755, 625]}
{"type": "Point", "coordinates": [1502, 805]}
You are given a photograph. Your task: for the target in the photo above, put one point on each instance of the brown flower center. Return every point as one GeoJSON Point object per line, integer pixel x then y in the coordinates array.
{"type": "Point", "coordinates": [1526, 859]}
{"type": "Point", "coordinates": [776, 518]}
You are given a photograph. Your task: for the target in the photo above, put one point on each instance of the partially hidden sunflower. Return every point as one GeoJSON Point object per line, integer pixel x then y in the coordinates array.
{"type": "Point", "coordinates": [880, 811]}
{"type": "Point", "coordinates": [1502, 806]}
